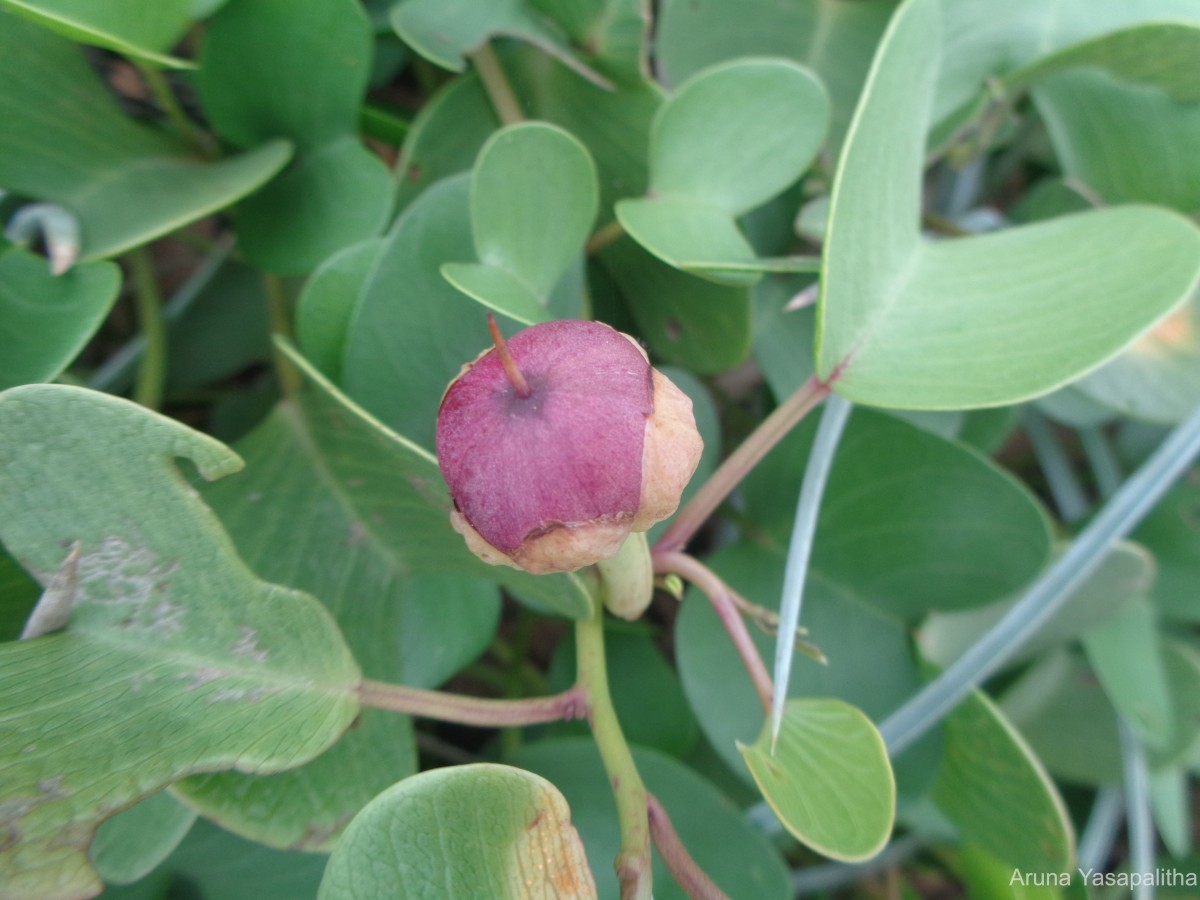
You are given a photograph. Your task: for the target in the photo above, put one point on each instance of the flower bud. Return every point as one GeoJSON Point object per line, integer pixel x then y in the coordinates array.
{"type": "Point", "coordinates": [558, 444]}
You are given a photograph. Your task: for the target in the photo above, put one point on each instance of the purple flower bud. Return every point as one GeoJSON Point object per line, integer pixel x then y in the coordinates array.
{"type": "Point", "coordinates": [559, 444]}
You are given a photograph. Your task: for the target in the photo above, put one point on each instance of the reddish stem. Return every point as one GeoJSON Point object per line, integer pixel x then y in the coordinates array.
{"type": "Point", "coordinates": [515, 378]}
{"type": "Point", "coordinates": [721, 597]}
{"type": "Point", "coordinates": [689, 876]}
{"type": "Point", "coordinates": [572, 704]}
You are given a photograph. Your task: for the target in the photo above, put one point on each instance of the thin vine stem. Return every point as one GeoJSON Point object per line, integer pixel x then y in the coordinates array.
{"type": "Point", "coordinates": [689, 876]}
{"type": "Point", "coordinates": [729, 474]}
{"type": "Point", "coordinates": [1061, 479]}
{"type": "Point", "coordinates": [633, 863]}
{"type": "Point", "coordinates": [186, 129]}
{"type": "Point", "coordinates": [1136, 497]}
{"type": "Point", "coordinates": [150, 384]}
{"type": "Point", "coordinates": [118, 371]}
{"type": "Point", "coordinates": [721, 596]}
{"type": "Point", "coordinates": [479, 711]}
{"type": "Point", "coordinates": [281, 325]}
{"type": "Point", "coordinates": [495, 82]}
{"type": "Point", "coordinates": [1140, 824]}
{"type": "Point", "coordinates": [816, 474]}
{"type": "Point", "coordinates": [1100, 831]}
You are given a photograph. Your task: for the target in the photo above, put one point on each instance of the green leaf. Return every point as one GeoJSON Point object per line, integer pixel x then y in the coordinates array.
{"type": "Point", "coordinates": [130, 27]}
{"type": "Point", "coordinates": [335, 193]}
{"type": "Point", "coordinates": [1126, 143]}
{"type": "Point", "coordinates": [614, 125]}
{"type": "Point", "coordinates": [533, 201]}
{"type": "Point", "coordinates": [736, 856]}
{"type": "Point", "coordinates": [836, 40]}
{"type": "Point", "coordinates": [422, 341]}
{"type": "Point", "coordinates": [1125, 575]}
{"type": "Point", "coordinates": [399, 500]}
{"type": "Point", "coordinates": [329, 198]}
{"type": "Point", "coordinates": [1157, 54]}
{"type": "Point", "coordinates": [45, 320]}
{"type": "Point", "coordinates": [462, 831]}
{"type": "Point", "coordinates": [256, 55]}
{"type": "Point", "coordinates": [1157, 379]}
{"type": "Point", "coordinates": [445, 137]}
{"type": "Point", "coordinates": [445, 32]}
{"type": "Point", "coordinates": [731, 138]}
{"type": "Point", "coordinates": [1169, 795]}
{"type": "Point", "coordinates": [612, 33]}
{"type": "Point", "coordinates": [689, 321]}
{"type": "Point", "coordinates": [218, 865]}
{"type": "Point", "coordinates": [416, 630]}
{"type": "Point", "coordinates": [934, 325]}
{"type": "Point", "coordinates": [152, 629]}
{"type": "Point", "coordinates": [827, 778]}
{"type": "Point", "coordinates": [1172, 533]}
{"type": "Point", "coordinates": [328, 302]}
{"type": "Point", "coordinates": [130, 844]}
{"type": "Point", "coordinates": [497, 289]}
{"type": "Point", "coordinates": [18, 596]}
{"type": "Point", "coordinates": [66, 141]}
{"type": "Point", "coordinates": [946, 528]}
{"type": "Point", "coordinates": [1127, 656]}
{"type": "Point", "coordinates": [994, 789]}
{"type": "Point", "coordinates": [1064, 714]}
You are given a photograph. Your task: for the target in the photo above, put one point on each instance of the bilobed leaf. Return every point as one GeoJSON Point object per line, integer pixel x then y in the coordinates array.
{"type": "Point", "coordinates": [447, 31]}
{"type": "Point", "coordinates": [731, 138]}
{"type": "Point", "coordinates": [445, 137]}
{"type": "Point", "coordinates": [45, 319]}
{"type": "Point", "coordinates": [614, 125]}
{"type": "Point", "coordinates": [1155, 54]}
{"type": "Point", "coordinates": [462, 831]}
{"type": "Point", "coordinates": [330, 197]}
{"type": "Point", "coordinates": [66, 141]}
{"type": "Point", "coordinates": [735, 855]}
{"type": "Point", "coordinates": [836, 40]}
{"type": "Point", "coordinates": [143, 31]}
{"type": "Point", "coordinates": [328, 302]}
{"type": "Point", "coordinates": [827, 778]}
{"type": "Point", "coordinates": [414, 630]}
{"type": "Point", "coordinates": [1127, 143]}
{"type": "Point", "coordinates": [981, 321]}
{"type": "Point", "coordinates": [994, 789]}
{"type": "Point", "coordinates": [533, 202]}
{"type": "Point", "coordinates": [176, 659]}
{"type": "Point", "coordinates": [285, 68]}
{"type": "Point", "coordinates": [335, 193]}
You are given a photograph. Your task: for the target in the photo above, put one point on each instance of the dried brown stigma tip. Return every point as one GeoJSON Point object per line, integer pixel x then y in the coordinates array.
{"type": "Point", "coordinates": [515, 378]}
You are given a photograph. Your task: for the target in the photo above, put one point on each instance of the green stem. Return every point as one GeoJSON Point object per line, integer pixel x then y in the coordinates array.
{"type": "Point", "coordinates": [611, 232]}
{"type": "Point", "coordinates": [465, 710]}
{"type": "Point", "coordinates": [633, 862]}
{"type": "Point", "coordinates": [769, 433]}
{"type": "Point", "coordinates": [166, 98]}
{"type": "Point", "coordinates": [281, 324]}
{"type": "Point", "coordinates": [151, 380]}
{"type": "Point", "coordinates": [495, 82]}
